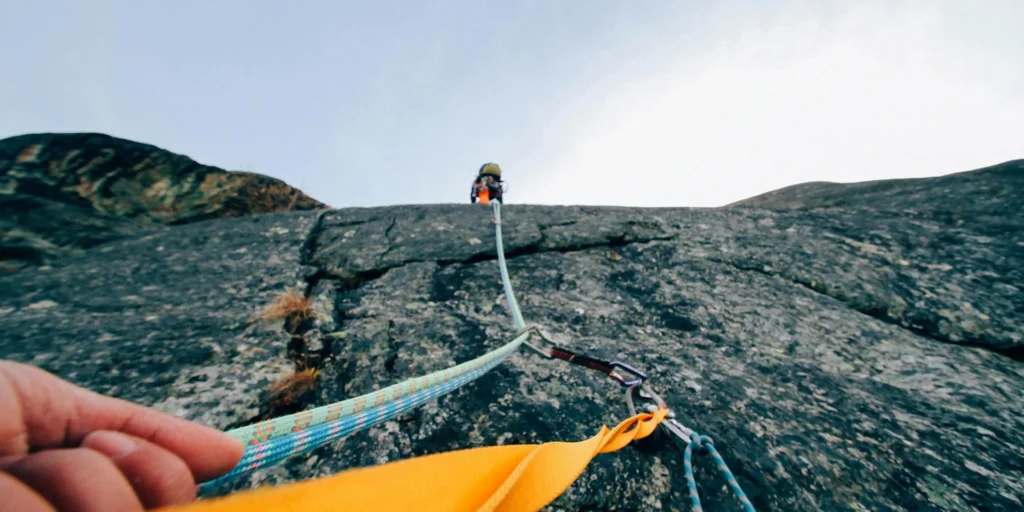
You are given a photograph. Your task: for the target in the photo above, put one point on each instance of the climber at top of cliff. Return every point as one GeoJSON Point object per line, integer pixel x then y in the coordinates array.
{"type": "Point", "coordinates": [488, 185]}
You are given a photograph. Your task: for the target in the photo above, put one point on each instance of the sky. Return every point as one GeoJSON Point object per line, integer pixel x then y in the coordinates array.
{"type": "Point", "coordinates": [638, 103]}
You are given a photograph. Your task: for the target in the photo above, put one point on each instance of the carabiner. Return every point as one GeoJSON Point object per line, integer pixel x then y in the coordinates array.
{"type": "Point", "coordinates": [608, 368]}
{"type": "Point", "coordinates": [681, 432]}
{"type": "Point", "coordinates": [536, 330]}
{"type": "Point", "coordinates": [651, 395]}
{"type": "Point", "coordinates": [614, 369]}
{"type": "Point", "coordinates": [641, 377]}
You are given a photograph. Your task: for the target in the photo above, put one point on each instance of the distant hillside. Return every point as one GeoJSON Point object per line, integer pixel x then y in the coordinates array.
{"type": "Point", "coordinates": [995, 193]}
{"type": "Point", "coordinates": [62, 192]}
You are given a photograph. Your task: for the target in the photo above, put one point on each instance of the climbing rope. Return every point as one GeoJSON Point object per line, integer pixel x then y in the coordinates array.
{"type": "Point", "coordinates": [270, 442]}
{"type": "Point", "coordinates": [288, 425]}
{"type": "Point", "coordinates": [692, 442]}
{"type": "Point", "coordinates": [271, 452]}
{"type": "Point", "coordinates": [502, 478]}
{"type": "Point", "coordinates": [703, 444]}
{"type": "Point", "coordinates": [510, 296]}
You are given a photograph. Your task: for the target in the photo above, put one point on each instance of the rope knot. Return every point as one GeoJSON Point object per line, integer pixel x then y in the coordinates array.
{"type": "Point", "coordinates": [701, 442]}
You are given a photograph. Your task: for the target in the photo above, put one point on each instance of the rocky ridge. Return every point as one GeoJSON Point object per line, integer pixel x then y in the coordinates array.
{"type": "Point", "coordinates": [987, 200]}
{"type": "Point", "coordinates": [61, 193]}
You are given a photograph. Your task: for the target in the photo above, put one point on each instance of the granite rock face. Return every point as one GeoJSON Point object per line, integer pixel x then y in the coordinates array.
{"type": "Point", "coordinates": [70, 191]}
{"type": "Point", "coordinates": [841, 358]}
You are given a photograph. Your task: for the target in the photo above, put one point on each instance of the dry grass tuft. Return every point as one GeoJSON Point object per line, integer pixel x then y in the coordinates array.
{"type": "Point", "coordinates": [291, 389]}
{"type": "Point", "coordinates": [295, 199]}
{"type": "Point", "coordinates": [290, 304]}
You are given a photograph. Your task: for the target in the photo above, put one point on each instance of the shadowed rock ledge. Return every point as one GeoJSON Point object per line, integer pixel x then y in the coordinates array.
{"type": "Point", "coordinates": [60, 193]}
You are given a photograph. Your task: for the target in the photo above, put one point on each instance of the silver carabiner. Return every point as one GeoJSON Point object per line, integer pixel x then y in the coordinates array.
{"type": "Point", "coordinates": [536, 330]}
{"type": "Point", "coordinates": [680, 431]}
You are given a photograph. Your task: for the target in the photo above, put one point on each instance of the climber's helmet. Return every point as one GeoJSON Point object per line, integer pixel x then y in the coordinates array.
{"type": "Point", "coordinates": [490, 169]}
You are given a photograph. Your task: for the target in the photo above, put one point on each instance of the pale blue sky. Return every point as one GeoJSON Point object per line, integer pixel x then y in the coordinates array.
{"type": "Point", "coordinates": [581, 102]}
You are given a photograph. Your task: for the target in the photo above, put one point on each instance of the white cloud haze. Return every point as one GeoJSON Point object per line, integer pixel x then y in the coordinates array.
{"type": "Point", "coordinates": [871, 93]}
{"type": "Point", "coordinates": [602, 102]}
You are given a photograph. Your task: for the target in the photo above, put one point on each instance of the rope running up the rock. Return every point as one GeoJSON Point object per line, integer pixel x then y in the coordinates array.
{"type": "Point", "coordinates": [272, 441]}
{"type": "Point", "coordinates": [704, 444]}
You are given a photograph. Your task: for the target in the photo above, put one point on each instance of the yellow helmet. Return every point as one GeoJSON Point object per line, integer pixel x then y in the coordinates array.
{"type": "Point", "coordinates": [490, 169]}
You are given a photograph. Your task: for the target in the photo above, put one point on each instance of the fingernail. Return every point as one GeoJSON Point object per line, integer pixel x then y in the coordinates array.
{"type": "Point", "coordinates": [228, 438]}
{"type": "Point", "coordinates": [9, 460]}
{"type": "Point", "coordinates": [111, 444]}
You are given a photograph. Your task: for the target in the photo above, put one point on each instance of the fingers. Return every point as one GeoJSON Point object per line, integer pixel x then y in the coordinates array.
{"type": "Point", "coordinates": [110, 468]}
{"type": "Point", "coordinates": [79, 480]}
{"type": "Point", "coordinates": [208, 453]}
{"type": "Point", "coordinates": [158, 477]}
{"type": "Point", "coordinates": [42, 411]}
{"type": "Point", "coordinates": [19, 497]}
{"type": "Point", "coordinates": [13, 434]}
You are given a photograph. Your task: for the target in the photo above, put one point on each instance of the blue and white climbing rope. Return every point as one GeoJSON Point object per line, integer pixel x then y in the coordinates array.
{"type": "Point", "coordinates": [700, 444]}
{"type": "Point", "coordinates": [693, 442]}
{"type": "Point", "coordinates": [272, 441]}
{"type": "Point", "coordinates": [276, 450]}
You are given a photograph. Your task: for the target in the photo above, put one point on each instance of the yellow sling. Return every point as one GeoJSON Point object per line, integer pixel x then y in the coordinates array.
{"type": "Point", "coordinates": [495, 478]}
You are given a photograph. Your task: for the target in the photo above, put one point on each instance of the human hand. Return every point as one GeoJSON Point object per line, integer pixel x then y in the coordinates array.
{"type": "Point", "coordinates": [64, 448]}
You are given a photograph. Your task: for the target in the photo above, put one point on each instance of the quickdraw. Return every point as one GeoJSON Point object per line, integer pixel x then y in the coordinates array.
{"type": "Point", "coordinates": [613, 369]}
{"type": "Point", "coordinates": [298, 433]}
{"type": "Point", "coordinates": [691, 442]}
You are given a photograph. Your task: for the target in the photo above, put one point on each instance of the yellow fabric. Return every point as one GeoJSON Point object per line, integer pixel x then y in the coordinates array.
{"type": "Point", "coordinates": [495, 478]}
